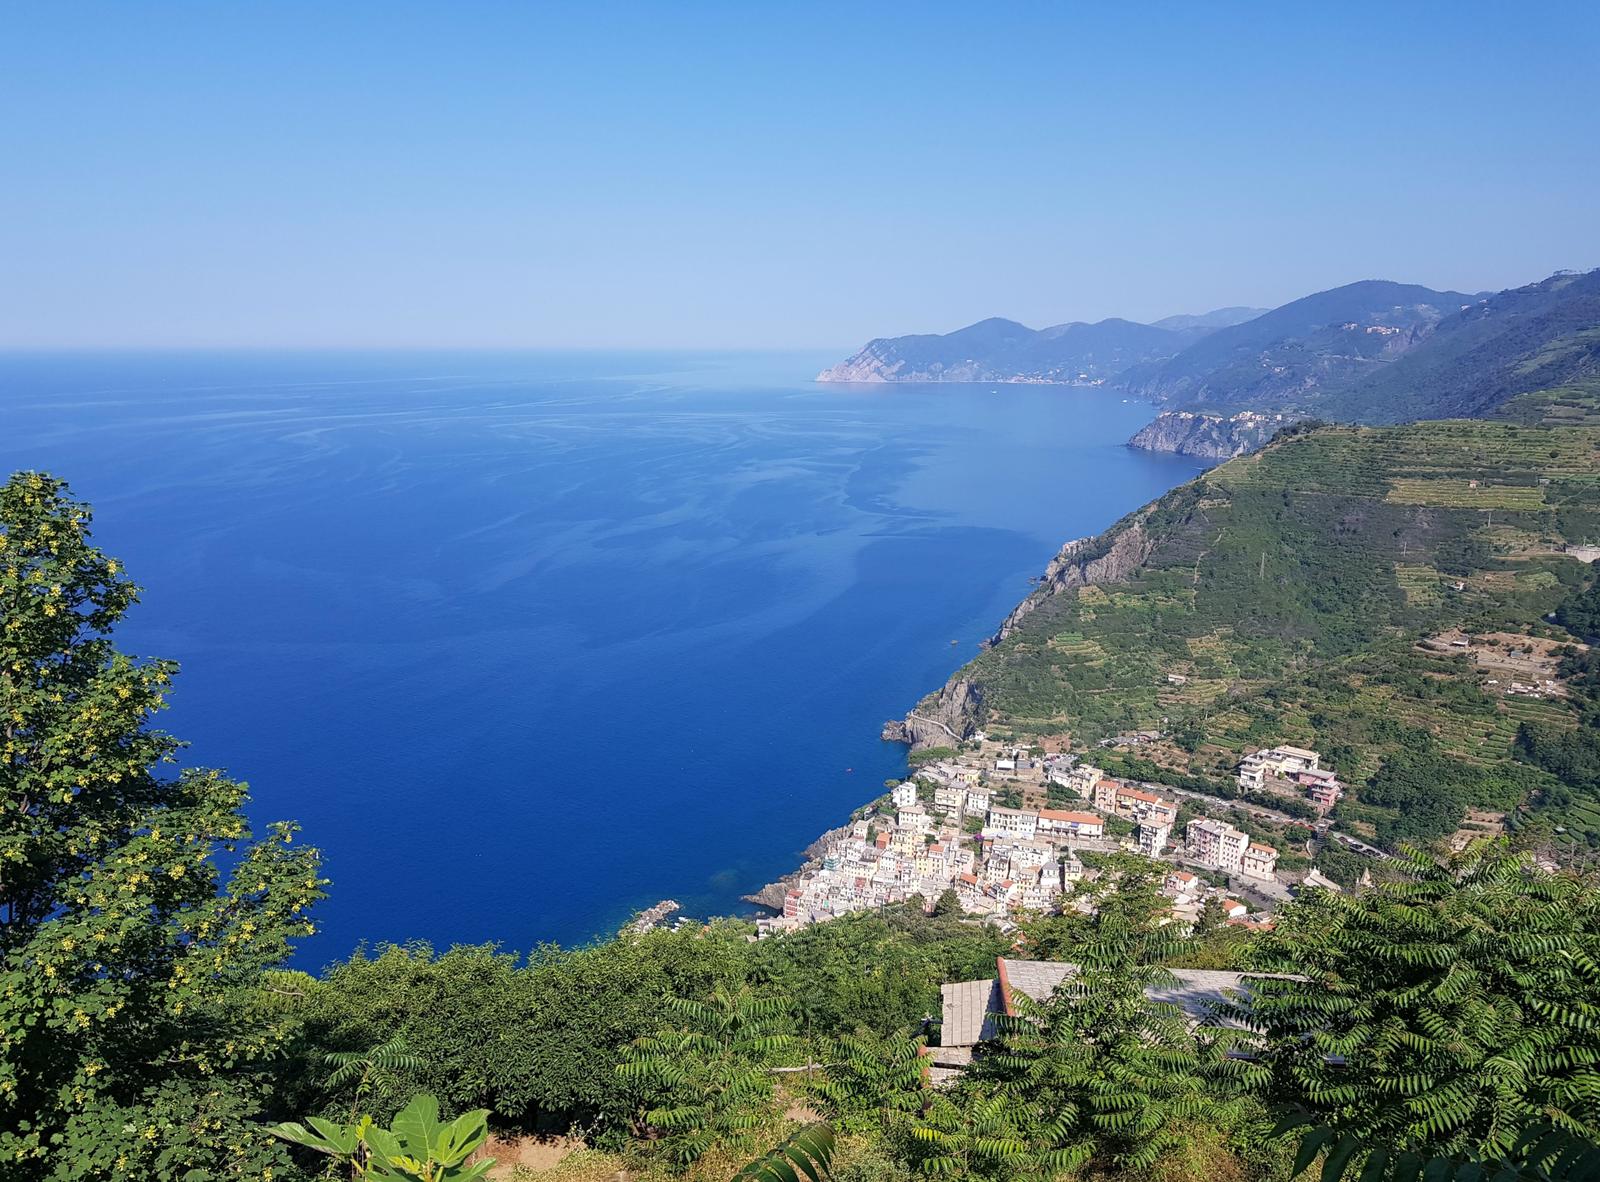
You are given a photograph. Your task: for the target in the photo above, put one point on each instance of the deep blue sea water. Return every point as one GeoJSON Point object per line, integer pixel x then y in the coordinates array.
{"type": "Point", "coordinates": [530, 641]}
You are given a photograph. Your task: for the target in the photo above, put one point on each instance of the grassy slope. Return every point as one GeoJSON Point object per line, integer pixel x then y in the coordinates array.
{"type": "Point", "coordinates": [1290, 588]}
{"type": "Point", "coordinates": [1575, 404]}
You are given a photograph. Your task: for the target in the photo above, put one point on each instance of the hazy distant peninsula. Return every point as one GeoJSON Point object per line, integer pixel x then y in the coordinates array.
{"type": "Point", "coordinates": [1373, 351]}
{"type": "Point", "coordinates": [1208, 437]}
{"type": "Point", "coordinates": [998, 350]}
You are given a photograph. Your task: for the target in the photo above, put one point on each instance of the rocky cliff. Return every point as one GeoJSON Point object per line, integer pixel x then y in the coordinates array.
{"type": "Point", "coordinates": [942, 719]}
{"type": "Point", "coordinates": [1208, 437]}
{"type": "Point", "coordinates": [954, 711]}
{"type": "Point", "coordinates": [1105, 558]}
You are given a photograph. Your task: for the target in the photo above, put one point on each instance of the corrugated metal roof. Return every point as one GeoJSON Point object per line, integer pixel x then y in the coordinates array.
{"type": "Point", "coordinates": [967, 1009]}
{"type": "Point", "coordinates": [1037, 978]}
{"type": "Point", "coordinates": [1197, 991]}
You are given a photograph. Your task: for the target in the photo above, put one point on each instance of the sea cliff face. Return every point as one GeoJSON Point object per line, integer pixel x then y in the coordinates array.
{"type": "Point", "coordinates": [1208, 437]}
{"type": "Point", "coordinates": [1105, 558]}
{"type": "Point", "coordinates": [944, 717]}
{"type": "Point", "coordinates": [955, 710]}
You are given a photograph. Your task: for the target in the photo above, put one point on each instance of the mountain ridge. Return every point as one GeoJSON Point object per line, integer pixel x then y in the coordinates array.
{"type": "Point", "coordinates": [1371, 351]}
{"type": "Point", "coordinates": [997, 349]}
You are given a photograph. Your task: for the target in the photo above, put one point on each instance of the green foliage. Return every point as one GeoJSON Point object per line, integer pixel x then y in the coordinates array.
{"type": "Point", "coordinates": [807, 1154]}
{"type": "Point", "coordinates": [1427, 791]}
{"type": "Point", "coordinates": [374, 1071]}
{"type": "Point", "coordinates": [1098, 1077]}
{"type": "Point", "coordinates": [537, 1044]}
{"type": "Point", "coordinates": [1103, 1073]}
{"type": "Point", "coordinates": [133, 1039]}
{"type": "Point", "coordinates": [872, 1080]}
{"type": "Point", "coordinates": [418, 1148]}
{"type": "Point", "coordinates": [877, 973]}
{"type": "Point", "coordinates": [704, 1081]}
{"type": "Point", "coordinates": [948, 903]}
{"type": "Point", "coordinates": [1571, 755]}
{"type": "Point", "coordinates": [1579, 612]}
{"type": "Point", "coordinates": [970, 1137]}
{"type": "Point", "coordinates": [1441, 1013]}
{"type": "Point", "coordinates": [1542, 1153]}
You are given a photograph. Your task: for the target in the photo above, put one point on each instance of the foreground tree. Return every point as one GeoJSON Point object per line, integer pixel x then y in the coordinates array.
{"type": "Point", "coordinates": [1099, 1076]}
{"type": "Point", "coordinates": [1445, 1015]}
{"type": "Point", "coordinates": [872, 1081]}
{"type": "Point", "coordinates": [132, 1032]}
{"type": "Point", "coordinates": [705, 1080]}
{"type": "Point", "coordinates": [807, 1154]}
{"type": "Point", "coordinates": [417, 1147]}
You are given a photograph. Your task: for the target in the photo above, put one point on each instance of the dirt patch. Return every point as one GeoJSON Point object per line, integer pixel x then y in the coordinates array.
{"type": "Point", "coordinates": [529, 1153]}
{"type": "Point", "coordinates": [1513, 662]}
{"type": "Point", "coordinates": [1479, 823]}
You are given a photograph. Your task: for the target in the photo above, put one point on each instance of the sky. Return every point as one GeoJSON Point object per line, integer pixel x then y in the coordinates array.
{"type": "Point", "coordinates": [757, 175]}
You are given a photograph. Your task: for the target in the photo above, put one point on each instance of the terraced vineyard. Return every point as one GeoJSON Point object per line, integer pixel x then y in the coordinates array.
{"type": "Point", "coordinates": [1562, 406]}
{"type": "Point", "coordinates": [1283, 598]}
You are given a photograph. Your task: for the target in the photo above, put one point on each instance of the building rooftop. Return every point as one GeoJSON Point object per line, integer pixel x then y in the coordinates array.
{"type": "Point", "coordinates": [968, 1012]}
{"type": "Point", "coordinates": [969, 1006]}
{"type": "Point", "coordinates": [1072, 818]}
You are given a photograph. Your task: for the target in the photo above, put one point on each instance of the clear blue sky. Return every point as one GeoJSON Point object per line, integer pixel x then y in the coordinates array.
{"type": "Point", "coordinates": [759, 174]}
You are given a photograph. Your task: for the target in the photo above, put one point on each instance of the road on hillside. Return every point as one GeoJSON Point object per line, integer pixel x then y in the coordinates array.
{"type": "Point", "coordinates": [1262, 813]}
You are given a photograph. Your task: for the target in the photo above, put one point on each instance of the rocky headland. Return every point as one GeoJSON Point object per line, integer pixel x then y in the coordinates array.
{"type": "Point", "coordinates": [1208, 437]}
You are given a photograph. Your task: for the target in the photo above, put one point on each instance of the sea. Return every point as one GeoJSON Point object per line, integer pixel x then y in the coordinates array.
{"type": "Point", "coordinates": [528, 641]}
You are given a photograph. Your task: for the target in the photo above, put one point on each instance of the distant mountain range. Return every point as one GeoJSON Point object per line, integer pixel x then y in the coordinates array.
{"type": "Point", "coordinates": [997, 350]}
{"type": "Point", "coordinates": [1329, 339]}
{"type": "Point", "coordinates": [1373, 351]}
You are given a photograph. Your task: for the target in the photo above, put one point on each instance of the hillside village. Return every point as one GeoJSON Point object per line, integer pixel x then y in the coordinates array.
{"type": "Point", "coordinates": [1003, 828]}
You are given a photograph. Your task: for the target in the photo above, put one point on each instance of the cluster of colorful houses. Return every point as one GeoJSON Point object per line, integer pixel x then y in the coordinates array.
{"type": "Point", "coordinates": [945, 830]}
{"type": "Point", "coordinates": [1291, 771]}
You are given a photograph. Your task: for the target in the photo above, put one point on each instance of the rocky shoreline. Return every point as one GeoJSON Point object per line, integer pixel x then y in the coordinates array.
{"type": "Point", "coordinates": [771, 895]}
{"type": "Point", "coordinates": [1208, 437]}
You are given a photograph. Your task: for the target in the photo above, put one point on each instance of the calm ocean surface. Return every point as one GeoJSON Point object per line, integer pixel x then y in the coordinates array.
{"type": "Point", "coordinates": [530, 641]}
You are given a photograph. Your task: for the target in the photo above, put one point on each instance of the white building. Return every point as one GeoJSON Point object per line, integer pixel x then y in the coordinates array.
{"type": "Point", "coordinates": [1217, 843]}
{"type": "Point", "coordinates": [903, 794]}
{"type": "Point", "coordinates": [1001, 822]}
{"type": "Point", "coordinates": [1153, 838]}
{"type": "Point", "coordinates": [1135, 804]}
{"type": "Point", "coordinates": [1182, 886]}
{"type": "Point", "coordinates": [1278, 762]}
{"type": "Point", "coordinates": [1258, 861]}
{"type": "Point", "coordinates": [1080, 779]}
{"type": "Point", "coordinates": [1064, 823]}
{"type": "Point", "coordinates": [914, 816]}
{"type": "Point", "coordinates": [1040, 891]}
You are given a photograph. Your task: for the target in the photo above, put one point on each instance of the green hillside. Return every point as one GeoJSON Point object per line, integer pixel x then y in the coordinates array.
{"type": "Point", "coordinates": [1377, 352]}
{"type": "Point", "coordinates": [1539, 338]}
{"type": "Point", "coordinates": [1286, 596]}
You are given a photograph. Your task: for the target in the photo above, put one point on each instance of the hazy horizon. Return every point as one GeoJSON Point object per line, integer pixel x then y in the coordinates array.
{"type": "Point", "coordinates": [483, 176]}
